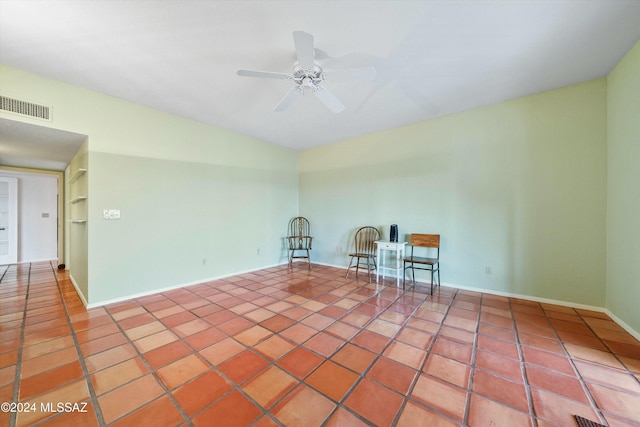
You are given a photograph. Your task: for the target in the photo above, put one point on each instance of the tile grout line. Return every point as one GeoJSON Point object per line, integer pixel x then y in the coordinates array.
{"type": "Point", "coordinates": [362, 375]}
{"type": "Point", "coordinates": [472, 364]}
{"type": "Point", "coordinates": [583, 383]}
{"type": "Point", "coordinates": [193, 351]}
{"type": "Point", "coordinates": [152, 371]}
{"type": "Point", "coordinates": [16, 387]}
{"type": "Point", "coordinates": [339, 404]}
{"type": "Point", "coordinates": [527, 386]}
{"type": "Point", "coordinates": [613, 353]}
{"type": "Point", "coordinates": [234, 386]}
{"type": "Point", "coordinates": [249, 285]}
{"type": "Point", "coordinates": [424, 362]}
{"type": "Point", "coordinates": [302, 382]}
{"type": "Point", "coordinates": [81, 359]}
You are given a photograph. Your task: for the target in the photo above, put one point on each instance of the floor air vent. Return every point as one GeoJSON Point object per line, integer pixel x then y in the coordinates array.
{"type": "Point", "coordinates": [25, 108]}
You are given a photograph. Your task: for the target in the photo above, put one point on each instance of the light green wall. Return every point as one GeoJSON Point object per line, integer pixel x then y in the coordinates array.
{"type": "Point", "coordinates": [519, 187]}
{"type": "Point", "coordinates": [187, 192]}
{"type": "Point", "coordinates": [623, 193]}
{"type": "Point", "coordinates": [184, 221]}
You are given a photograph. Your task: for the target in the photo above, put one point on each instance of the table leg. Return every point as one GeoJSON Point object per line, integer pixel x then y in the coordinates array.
{"type": "Point", "coordinates": [379, 263]}
{"type": "Point", "coordinates": [398, 268]}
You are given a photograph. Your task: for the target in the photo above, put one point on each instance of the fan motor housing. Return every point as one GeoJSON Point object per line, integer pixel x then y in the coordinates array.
{"type": "Point", "coordinates": [300, 73]}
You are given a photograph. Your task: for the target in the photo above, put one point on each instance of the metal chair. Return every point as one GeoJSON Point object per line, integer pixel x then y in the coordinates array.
{"type": "Point", "coordinates": [299, 239]}
{"type": "Point", "coordinates": [365, 248]}
{"type": "Point", "coordinates": [431, 242]}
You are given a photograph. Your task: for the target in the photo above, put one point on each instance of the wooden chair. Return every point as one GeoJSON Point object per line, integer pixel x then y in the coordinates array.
{"type": "Point", "coordinates": [430, 242]}
{"type": "Point", "coordinates": [365, 248]}
{"type": "Point", "coordinates": [299, 239]}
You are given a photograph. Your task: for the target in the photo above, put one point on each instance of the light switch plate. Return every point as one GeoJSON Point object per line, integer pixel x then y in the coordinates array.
{"type": "Point", "coordinates": [111, 214]}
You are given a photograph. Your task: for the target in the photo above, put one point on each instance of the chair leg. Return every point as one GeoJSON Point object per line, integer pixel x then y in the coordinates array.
{"type": "Point", "coordinates": [438, 275]}
{"type": "Point", "coordinates": [404, 274]}
{"type": "Point", "coordinates": [432, 281]}
{"type": "Point", "coordinates": [349, 268]}
{"type": "Point", "coordinates": [357, 267]}
{"type": "Point", "coordinates": [308, 260]}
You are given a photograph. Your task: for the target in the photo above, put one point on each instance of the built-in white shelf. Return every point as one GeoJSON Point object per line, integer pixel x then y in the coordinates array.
{"type": "Point", "coordinates": [77, 221]}
{"type": "Point", "coordinates": [78, 199]}
{"type": "Point", "coordinates": [77, 174]}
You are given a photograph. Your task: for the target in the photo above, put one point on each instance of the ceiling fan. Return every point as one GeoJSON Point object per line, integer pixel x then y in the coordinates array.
{"type": "Point", "coordinates": [308, 75]}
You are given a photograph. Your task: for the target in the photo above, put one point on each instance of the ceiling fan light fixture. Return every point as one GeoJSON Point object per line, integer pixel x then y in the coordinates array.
{"type": "Point", "coordinates": [308, 83]}
{"type": "Point", "coordinates": [307, 74]}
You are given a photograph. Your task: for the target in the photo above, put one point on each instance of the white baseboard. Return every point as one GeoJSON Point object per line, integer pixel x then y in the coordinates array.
{"type": "Point", "coordinates": [604, 310]}
{"type": "Point", "coordinates": [33, 261]}
{"type": "Point", "coordinates": [615, 318]}
{"type": "Point", "coordinates": [623, 324]}
{"type": "Point", "coordinates": [170, 288]}
{"type": "Point", "coordinates": [526, 297]}
{"type": "Point", "coordinates": [80, 294]}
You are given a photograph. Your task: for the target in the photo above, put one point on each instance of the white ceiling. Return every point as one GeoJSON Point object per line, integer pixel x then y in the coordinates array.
{"type": "Point", "coordinates": [29, 146]}
{"type": "Point", "coordinates": [432, 57]}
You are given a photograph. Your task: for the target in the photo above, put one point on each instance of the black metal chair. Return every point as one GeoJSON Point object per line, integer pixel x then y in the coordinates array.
{"type": "Point", "coordinates": [365, 248]}
{"type": "Point", "coordinates": [299, 239]}
{"type": "Point", "coordinates": [430, 242]}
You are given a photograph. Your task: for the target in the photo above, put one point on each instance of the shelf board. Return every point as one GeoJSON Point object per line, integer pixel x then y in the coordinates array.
{"type": "Point", "coordinates": [78, 199]}
{"type": "Point", "coordinates": [77, 221]}
{"type": "Point", "coordinates": [77, 174]}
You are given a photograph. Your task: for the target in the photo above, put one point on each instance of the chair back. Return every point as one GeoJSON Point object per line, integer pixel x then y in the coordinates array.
{"type": "Point", "coordinates": [425, 240]}
{"type": "Point", "coordinates": [365, 238]}
{"type": "Point", "coordinates": [299, 233]}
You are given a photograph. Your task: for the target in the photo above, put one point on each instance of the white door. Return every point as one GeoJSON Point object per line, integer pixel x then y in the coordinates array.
{"type": "Point", "coordinates": [8, 220]}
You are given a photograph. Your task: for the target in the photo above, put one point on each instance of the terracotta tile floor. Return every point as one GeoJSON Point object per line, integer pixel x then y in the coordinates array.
{"type": "Point", "coordinates": [307, 348]}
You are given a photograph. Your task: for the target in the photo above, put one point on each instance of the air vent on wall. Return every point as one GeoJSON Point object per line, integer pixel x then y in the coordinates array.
{"type": "Point", "coordinates": [25, 108]}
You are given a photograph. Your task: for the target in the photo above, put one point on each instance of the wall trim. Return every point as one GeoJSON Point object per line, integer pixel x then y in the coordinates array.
{"type": "Point", "coordinates": [622, 324]}
{"type": "Point", "coordinates": [80, 294]}
{"type": "Point", "coordinates": [172, 287]}
{"type": "Point", "coordinates": [604, 310]}
{"type": "Point", "coordinates": [615, 318]}
{"type": "Point", "coordinates": [32, 261]}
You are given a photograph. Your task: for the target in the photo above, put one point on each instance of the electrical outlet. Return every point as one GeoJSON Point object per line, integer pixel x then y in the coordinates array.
{"type": "Point", "coordinates": [258, 250]}
{"type": "Point", "coordinates": [487, 270]}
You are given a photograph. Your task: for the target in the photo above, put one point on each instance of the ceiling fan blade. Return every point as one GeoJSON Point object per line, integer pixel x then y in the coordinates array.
{"type": "Point", "coordinates": [289, 98]}
{"type": "Point", "coordinates": [368, 73]}
{"type": "Point", "coordinates": [328, 99]}
{"type": "Point", "coordinates": [264, 74]}
{"type": "Point", "coordinates": [304, 49]}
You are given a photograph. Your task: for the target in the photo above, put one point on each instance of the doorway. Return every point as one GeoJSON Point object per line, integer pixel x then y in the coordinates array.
{"type": "Point", "coordinates": [37, 156]}
{"type": "Point", "coordinates": [33, 216]}
{"type": "Point", "coordinates": [8, 220]}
